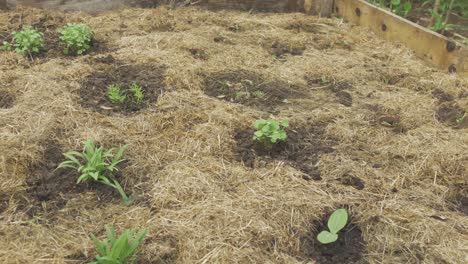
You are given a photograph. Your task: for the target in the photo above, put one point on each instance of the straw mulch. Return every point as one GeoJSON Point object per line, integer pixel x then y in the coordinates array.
{"type": "Point", "coordinates": [201, 197]}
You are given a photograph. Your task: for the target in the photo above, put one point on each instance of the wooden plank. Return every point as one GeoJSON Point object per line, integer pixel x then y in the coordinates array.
{"type": "Point", "coordinates": [323, 8]}
{"type": "Point", "coordinates": [428, 45]}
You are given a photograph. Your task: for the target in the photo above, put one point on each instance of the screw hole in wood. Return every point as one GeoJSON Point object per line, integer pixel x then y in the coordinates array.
{"type": "Point", "coordinates": [358, 11]}
{"type": "Point", "coordinates": [384, 27]}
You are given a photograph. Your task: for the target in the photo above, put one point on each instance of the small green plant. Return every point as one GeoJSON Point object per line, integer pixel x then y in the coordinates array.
{"type": "Point", "coordinates": [77, 38]}
{"type": "Point", "coordinates": [96, 165]}
{"type": "Point", "coordinates": [258, 94]}
{"type": "Point", "coordinates": [270, 131]}
{"type": "Point", "coordinates": [336, 222]}
{"type": "Point", "coordinates": [115, 94]}
{"type": "Point", "coordinates": [401, 8]}
{"type": "Point", "coordinates": [28, 41]}
{"type": "Point", "coordinates": [118, 250]}
{"type": "Point", "coordinates": [137, 92]}
{"type": "Point", "coordinates": [6, 46]}
{"type": "Point", "coordinates": [460, 119]}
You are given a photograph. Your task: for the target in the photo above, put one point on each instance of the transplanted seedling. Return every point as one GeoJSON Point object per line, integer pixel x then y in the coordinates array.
{"type": "Point", "coordinates": [96, 165]}
{"type": "Point", "coordinates": [270, 131]}
{"type": "Point", "coordinates": [137, 92]}
{"type": "Point", "coordinates": [336, 222]}
{"type": "Point", "coordinates": [118, 250]}
{"type": "Point", "coordinates": [28, 41]}
{"type": "Point", "coordinates": [461, 119]}
{"type": "Point", "coordinates": [115, 94]}
{"type": "Point", "coordinates": [77, 38]}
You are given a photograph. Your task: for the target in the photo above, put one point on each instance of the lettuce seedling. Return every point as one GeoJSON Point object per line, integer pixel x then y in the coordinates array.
{"type": "Point", "coordinates": [26, 42]}
{"type": "Point", "coordinates": [96, 165]}
{"type": "Point", "coordinates": [336, 222]}
{"type": "Point", "coordinates": [115, 94]}
{"type": "Point", "coordinates": [137, 92]}
{"type": "Point", "coordinates": [113, 250]}
{"type": "Point", "coordinates": [77, 38]}
{"type": "Point", "coordinates": [270, 131]}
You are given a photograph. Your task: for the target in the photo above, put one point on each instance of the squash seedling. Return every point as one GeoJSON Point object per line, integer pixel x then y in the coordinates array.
{"type": "Point", "coordinates": [118, 250]}
{"type": "Point", "coordinates": [96, 165]}
{"type": "Point", "coordinates": [270, 131]}
{"type": "Point", "coordinates": [28, 41]}
{"type": "Point", "coordinates": [336, 222]}
{"type": "Point", "coordinates": [77, 38]}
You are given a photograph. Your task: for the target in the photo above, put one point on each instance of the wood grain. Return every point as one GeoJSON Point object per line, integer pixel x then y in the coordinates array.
{"type": "Point", "coordinates": [428, 45]}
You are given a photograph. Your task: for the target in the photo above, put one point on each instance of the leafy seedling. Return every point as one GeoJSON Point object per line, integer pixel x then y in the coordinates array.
{"type": "Point", "coordinates": [336, 222]}
{"type": "Point", "coordinates": [28, 41]}
{"type": "Point", "coordinates": [137, 93]}
{"type": "Point", "coordinates": [118, 250]}
{"type": "Point", "coordinates": [96, 165]}
{"type": "Point", "coordinates": [77, 38]}
{"type": "Point", "coordinates": [270, 131]}
{"type": "Point", "coordinates": [460, 119]}
{"type": "Point", "coordinates": [258, 94]}
{"type": "Point", "coordinates": [115, 94]}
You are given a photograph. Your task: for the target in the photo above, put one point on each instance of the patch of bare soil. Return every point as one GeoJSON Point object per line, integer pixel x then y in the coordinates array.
{"type": "Point", "coordinates": [301, 150]}
{"type": "Point", "coordinates": [442, 96]}
{"type": "Point", "coordinates": [249, 88]}
{"type": "Point", "coordinates": [337, 88]}
{"type": "Point", "coordinates": [48, 25]}
{"type": "Point", "coordinates": [387, 118]}
{"type": "Point", "coordinates": [349, 248]}
{"type": "Point", "coordinates": [7, 100]}
{"type": "Point", "coordinates": [56, 187]}
{"type": "Point", "coordinates": [451, 114]}
{"type": "Point", "coordinates": [280, 50]}
{"type": "Point", "coordinates": [351, 180]}
{"type": "Point", "coordinates": [93, 92]}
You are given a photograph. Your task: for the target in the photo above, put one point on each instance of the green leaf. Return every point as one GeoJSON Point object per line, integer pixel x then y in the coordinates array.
{"type": "Point", "coordinates": [337, 220]}
{"type": "Point", "coordinates": [326, 237]}
{"type": "Point", "coordinates": [395, 2]}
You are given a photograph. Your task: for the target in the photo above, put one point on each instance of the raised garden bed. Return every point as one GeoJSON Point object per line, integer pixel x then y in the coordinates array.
{"type": "Point", "coordinates": [372, 129]}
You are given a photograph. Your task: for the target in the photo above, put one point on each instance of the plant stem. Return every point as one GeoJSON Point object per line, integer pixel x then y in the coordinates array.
{"type": "Point", "coordinates": [436, 10]}
{"type": "Point", "coordinates": [449, 10]}
{"type": "Point", "coordinates": [119, 188]}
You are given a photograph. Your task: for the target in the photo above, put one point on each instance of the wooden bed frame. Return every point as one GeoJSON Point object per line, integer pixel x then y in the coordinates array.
{"type": "Point", "coordinates": [434, 48]}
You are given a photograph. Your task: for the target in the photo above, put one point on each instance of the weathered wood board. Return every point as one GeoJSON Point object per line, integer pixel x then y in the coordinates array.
{"type": "Point", "coordinates": [428, 45]}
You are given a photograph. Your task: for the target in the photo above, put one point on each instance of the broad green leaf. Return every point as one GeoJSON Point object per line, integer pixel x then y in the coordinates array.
{"type": "Point", "coordinates": [326, 237]}
{"type": "Point", "coordinates": [337, 220]}
{"type": "Point", "coordinates": [395, 2]}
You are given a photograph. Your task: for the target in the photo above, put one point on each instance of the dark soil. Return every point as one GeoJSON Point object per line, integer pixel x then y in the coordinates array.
{"type": "Point", "coordinates": [351, 180]}
{"type": "Point", "coordinates": [459, 204]}
{"type": "Point", "coordinates": [442, 96]}
{"type": "Point", "coordinates": [301, 150]}
{"type": "Point", "coordinates": [304, 27]}
{"type": "Point", "coordinates": [3, 203]}
{"type": "Point", "coordinates": [48, 25]}
{"type": "Point", "coordinates": [337, 88]}
{"type": "Point", "coordinates": [57, 187]}
{"type": "Point", "coordinates": [452, 115]}
{"type": "Point", "coordinates": [249, 88]}
{"type": "Point", "coordinates": [93, 92]}
{"type": "Point", "coordinates": [7, 100]}
{"type": "Point", "coordinates": [280, 50]}
{"type": "Point", "coordinates": [198, 54]}
{"type": "Point", "coordinates": [348, 249]}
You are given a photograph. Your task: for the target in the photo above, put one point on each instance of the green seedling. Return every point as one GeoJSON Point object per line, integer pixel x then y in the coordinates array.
{"type": "Point", "coordinates": [388, 124]}
{"type": "Point", "coordinates": [258, 94]}
{"type": "Point", "coordinates": [6, 46]}
{"type": "Point", "coordinates": [137, 92]}
{"type": "Point", "coordinates": [461, 119]}
{"type": "Point", "coordinates": [241, 95]}
{"type": "Point", "coordinates": [115, 94]}
{"type": "Point", "coordinates": [270, 131]}
{"type": "Point", "coordinates": [77, 38]}
{"type": "Point", "coordinates": [94, 164]}
{"type": "Point", "coordinates": [28, 41]}
{"type": "Point", "coordinates": [336, 222]}
{"type": "Point", "coordinates": [118, 250]}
